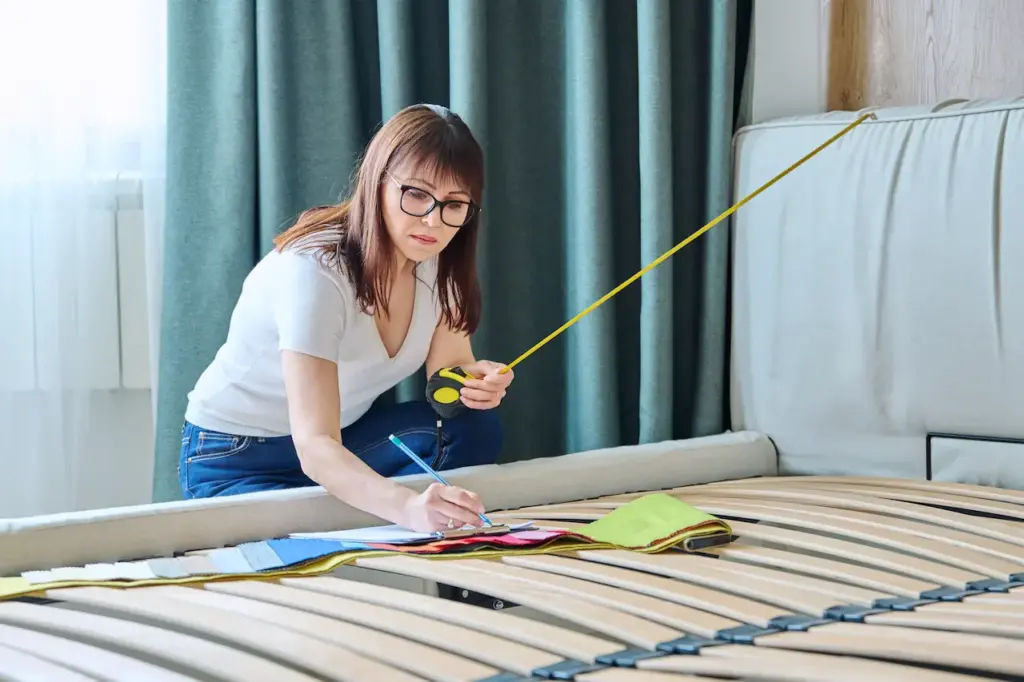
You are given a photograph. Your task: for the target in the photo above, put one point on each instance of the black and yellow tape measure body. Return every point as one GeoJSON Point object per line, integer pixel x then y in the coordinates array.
{"type": "Point", "coordinates": [443, 391]}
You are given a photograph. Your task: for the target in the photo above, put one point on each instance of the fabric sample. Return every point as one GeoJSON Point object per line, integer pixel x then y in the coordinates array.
{"type": "Point", "coordinates": [230, 560]}
{"type": "Point", "coordinates": [292, 551]}
{"type": "Point", "coordinates": [197, 564]}
{"type": "Point", "coordinates": [260, 556]}
{"type": "Point", "coordinates": [166, 568]}
{"type": "Point", "coordinates": [652, 522]}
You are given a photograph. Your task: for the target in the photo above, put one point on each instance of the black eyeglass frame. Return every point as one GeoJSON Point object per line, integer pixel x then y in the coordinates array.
{"type": "Point", "coordinates": [474, 208]}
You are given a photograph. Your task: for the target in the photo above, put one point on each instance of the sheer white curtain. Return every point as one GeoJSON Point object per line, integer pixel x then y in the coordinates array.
{"type": "Point", "coordinates": [81, 206]}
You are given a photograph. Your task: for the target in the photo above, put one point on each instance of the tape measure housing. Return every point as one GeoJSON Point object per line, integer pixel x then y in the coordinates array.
{"type": "Point", "coordinates": [443, 391]}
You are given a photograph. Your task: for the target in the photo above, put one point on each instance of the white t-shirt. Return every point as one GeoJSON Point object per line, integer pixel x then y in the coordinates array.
{"type": "Point", "coordinates": [290, 301]}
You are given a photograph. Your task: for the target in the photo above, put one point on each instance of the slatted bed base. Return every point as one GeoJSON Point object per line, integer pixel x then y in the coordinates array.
{"type": "Point", "coordinates": [827, 580]}
{"type": "Point", "coordinates": [327, 628]}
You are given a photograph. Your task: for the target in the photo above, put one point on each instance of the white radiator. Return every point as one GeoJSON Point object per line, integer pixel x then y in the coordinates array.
{"type": "Point", "coordinates": [102, 301]}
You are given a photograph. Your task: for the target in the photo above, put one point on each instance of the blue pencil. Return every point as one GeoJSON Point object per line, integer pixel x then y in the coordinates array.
{"type": "Point", "coordinates": [426, 467]}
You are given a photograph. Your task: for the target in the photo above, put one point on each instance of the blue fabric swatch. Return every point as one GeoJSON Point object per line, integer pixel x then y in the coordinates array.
{"type": "Point", "coordinates": [292, 551]}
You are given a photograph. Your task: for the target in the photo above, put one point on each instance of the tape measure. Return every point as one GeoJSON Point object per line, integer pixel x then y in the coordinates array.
{"type": "Point", "coordinates": [443, 391]}
{"type": "Point", "coordinates": [443, 388]}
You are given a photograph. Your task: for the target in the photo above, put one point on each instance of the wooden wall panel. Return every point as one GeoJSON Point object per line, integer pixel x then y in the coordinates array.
{"type": "Point", "coordinates": [905, 52]}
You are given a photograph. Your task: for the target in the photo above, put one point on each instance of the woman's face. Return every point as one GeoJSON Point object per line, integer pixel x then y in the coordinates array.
{"type": "Point", "coordinates": [409, 192]}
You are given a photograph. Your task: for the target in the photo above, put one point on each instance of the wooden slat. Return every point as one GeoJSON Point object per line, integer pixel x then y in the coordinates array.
{"type": "Point", "coordinates": [566, 643]}
{"type": "Point", "coordinates": [926, 647]}
{"type": "Point", "coordinates": [87, 659]}
{"type": "Point", "coordinates": [19, 666]}
{"type": "Point", "coordinates": [950, 620]}
{"type": "Point", "coordinates": [995, 604]}
{"type": "Point", "coordinates": [614, 623]}
{"type": "Point", "coordinates": [832, 592]}
{"type": "Point", "coordinates": [924, 497]}
{"type": "Point", "coordinates": [674, 615]}
{"type": "Point", "coordinates": [788, 559]}
{"type": "Point", "coordinates": [298, 650]}
{"type": "Point", "coordinates": [785, 600]}
{"type": "Point", "coordinates": [1006, 531]}
{"type": "Point", "coordinates": [744, 555]}
{"type": "Point", "coordinates": [428, 662]}
{"type": "Point", "coordinates": [697, 596]}
{"type": "Point", "coordinates": [184, 651]}
{"type": "Point", "coordinates": [951, 551]}
{"type": "Point", "coordinates": [925, 570]}
{"type": "Point", "coordinates": [495, 651]}
{"type": "Point", "coordinates": [715, 660]}
{"type": "Point", "coordinates": [670, 613]}
{"type": "Point", "coordinates": [683, 567]}
{"type": "Point", "coordinates": [966, 489]}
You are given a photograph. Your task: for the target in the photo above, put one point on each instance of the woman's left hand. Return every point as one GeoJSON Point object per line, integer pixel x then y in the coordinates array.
{"type": "Point", "coordinates": [485, 386]}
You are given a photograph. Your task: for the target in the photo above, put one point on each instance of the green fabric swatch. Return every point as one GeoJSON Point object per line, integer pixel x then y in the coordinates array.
{"type": "Point", "coordinates": [656, 519]}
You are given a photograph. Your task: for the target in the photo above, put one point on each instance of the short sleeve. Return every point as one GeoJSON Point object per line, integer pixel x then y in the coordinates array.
{"type": "Point", "coordinates": [308, 307]}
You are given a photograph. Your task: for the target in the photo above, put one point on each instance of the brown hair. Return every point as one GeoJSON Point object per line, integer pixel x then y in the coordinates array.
{"type": "Point", "coordinates": [352, 235]}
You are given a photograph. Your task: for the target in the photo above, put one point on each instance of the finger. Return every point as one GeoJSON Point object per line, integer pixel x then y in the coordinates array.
{"type": "Point", "coordinates": [491, 393]}
{"type": "Point", "coordinates": [484, 369]}
{"type": "Point", "coordinates": [497, 379]}
{"type": "Point", "coordinates": [493, 385]}
{"type": "Point", "coordinates": [481, 404]}
{"type": "Point", "coordinates": [462, 497]}
{"type": "Point", "coordinates": [475, 371]}
{"type": "Point", "coordinates": [434, 489]}
{"type": "Point", "coordinates": [460, 515]}
{"type": "Point", "coordinates": [475, 503]}
{"type": "Point", "coordinates": [441, 523]}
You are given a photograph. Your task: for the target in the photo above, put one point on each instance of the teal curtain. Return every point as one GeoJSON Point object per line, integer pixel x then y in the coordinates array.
{"type": "Point", "coordinates": [607, 127]}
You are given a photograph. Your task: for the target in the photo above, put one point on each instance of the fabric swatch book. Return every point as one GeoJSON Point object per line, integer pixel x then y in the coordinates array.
{"type": "Point", "coordinates": [652, 523]}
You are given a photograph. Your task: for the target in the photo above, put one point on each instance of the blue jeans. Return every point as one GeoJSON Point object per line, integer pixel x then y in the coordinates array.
{"type": "Point", "coordinates": [213, 463]}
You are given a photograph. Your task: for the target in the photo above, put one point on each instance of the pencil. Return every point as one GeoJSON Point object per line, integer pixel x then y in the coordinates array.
{"type": "Point", "coordinates": [426, 467]}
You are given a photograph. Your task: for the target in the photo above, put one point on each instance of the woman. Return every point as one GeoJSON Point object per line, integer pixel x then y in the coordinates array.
{"type": "Point", "coordinates": [353, 299]}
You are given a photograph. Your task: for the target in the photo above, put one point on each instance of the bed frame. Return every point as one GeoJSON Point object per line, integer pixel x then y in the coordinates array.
{"type": "Point", "coordinates": [872, 538]}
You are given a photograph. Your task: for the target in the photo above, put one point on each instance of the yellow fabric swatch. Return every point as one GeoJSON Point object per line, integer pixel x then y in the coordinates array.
{"type": "Point", "coordinates": [20, 587]}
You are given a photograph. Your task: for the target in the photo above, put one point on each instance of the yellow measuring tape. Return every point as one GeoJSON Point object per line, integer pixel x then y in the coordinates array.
{"type": "Point", "coordinates": [665, 256]}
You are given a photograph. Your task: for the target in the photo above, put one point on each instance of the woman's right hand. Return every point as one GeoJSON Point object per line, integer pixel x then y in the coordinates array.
{"type": "Point", "coordinates": [432, 509]}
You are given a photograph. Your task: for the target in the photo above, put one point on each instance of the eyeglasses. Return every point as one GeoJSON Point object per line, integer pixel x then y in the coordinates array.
{"type": "Point", "coordinates": [419, 202]}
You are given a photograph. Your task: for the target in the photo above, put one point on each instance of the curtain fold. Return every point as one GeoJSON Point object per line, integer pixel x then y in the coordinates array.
{"type": "Point", "coordinates": [654, 103]}
{"type": "Point", "coordinates": [709, 415]}
{"type": "Point", "coordinates": [606, 126]}
{"type": "Point", "coordinates": [590, 236]}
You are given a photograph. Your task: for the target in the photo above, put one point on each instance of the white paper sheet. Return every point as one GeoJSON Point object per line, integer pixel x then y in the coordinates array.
{"type": "Point", "coordinates": [390, 535]}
